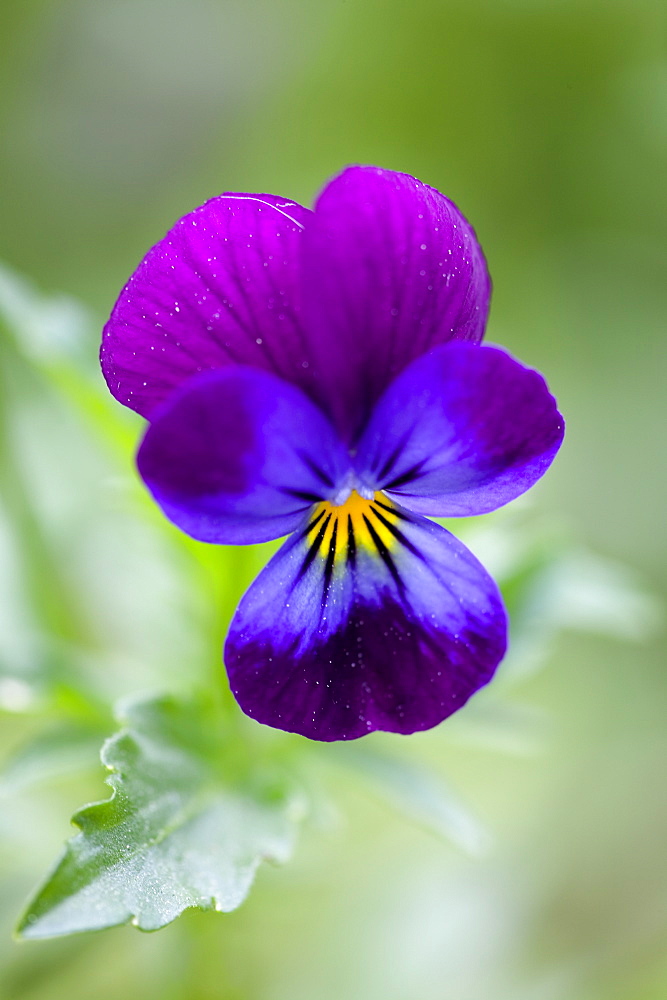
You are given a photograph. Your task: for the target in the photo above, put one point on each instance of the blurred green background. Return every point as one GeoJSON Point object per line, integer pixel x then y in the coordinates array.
{"type": "Point", "coordinates": [546, 121]}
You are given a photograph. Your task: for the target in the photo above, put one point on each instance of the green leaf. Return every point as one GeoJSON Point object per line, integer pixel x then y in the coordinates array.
{"type": "Point", "coordinates": [503, 726]}
{"type": "Point", "coordinates": [60, 750]}
{"type": "Point", "coordinates": [44, 327]}
{"type": "Point", "coordinates": [592, 594]}
{"type": "Point", "coordinates": [423, 796]}
{"type": "Point", "coordinates": [187, 825]}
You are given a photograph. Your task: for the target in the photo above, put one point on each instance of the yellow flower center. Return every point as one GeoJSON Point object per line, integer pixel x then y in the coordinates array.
{"type": "Point", "coordinates": [337, 532]}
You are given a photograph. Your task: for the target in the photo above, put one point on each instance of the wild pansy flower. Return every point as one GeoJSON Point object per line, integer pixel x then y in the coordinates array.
{"type": "Point", "coordinates": [320, 373]}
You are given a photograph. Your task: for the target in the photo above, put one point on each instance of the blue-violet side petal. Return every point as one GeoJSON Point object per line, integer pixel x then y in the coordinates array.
{"type": "Point", "coordinates": [464, 430]}
{"type": "Point", "coordinates": [238, 456]}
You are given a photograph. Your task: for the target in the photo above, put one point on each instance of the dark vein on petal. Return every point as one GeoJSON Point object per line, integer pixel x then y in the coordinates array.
{"type": "Point", "coordinates": [329, 565]}
{"type": "Point", "coordinates": [393, 457]}
{"type": "Point", "coordinates": [323, 476]}
{"type": "Point", "coordinates": [351, 543]}
{"type": "Point", "coordinates": [385, 555]}
{"type": "Point", "coordinates": [301, 495]}
{"type": "Point", "coordinates": [407, 477]}
{"type": "Point", "coordinates": [393, 510]}
{"type": "Point", "coordinates": [311, 524]}
{"type": "Point", "coordinates": [398, 534]}
{"type": "Point", "coordinates": [314, 546]}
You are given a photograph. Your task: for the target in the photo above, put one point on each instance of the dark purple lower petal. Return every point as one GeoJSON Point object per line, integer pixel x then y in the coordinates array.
{"type": "Point", "coordinates": [464, 430]}
{"type": "Point", "coordinates": [238, 456]}
{"type": "Point", "coordinates": [368, 618]}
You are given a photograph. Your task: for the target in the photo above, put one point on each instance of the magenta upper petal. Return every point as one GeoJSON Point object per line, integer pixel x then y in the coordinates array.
{"type": "Point", "coordinates": [390, 268]}
{"type": "Point", "coordinates": [221, 288]}
{"type": "Point", "coordinates": [238, 455]}
{"type": "Point", "coordinates": [464, 430]}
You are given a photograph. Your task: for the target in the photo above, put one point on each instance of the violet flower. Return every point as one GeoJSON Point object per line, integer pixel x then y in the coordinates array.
{"type": "Point", "coordinates": [320, 374]}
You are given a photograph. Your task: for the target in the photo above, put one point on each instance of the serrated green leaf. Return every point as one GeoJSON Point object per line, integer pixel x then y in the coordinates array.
{"type": "Point", "coordinates": [187, 826]}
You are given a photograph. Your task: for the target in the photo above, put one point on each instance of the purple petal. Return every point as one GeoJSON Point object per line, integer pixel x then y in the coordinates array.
{"type": "Point", "coordinates": [390, 269]}
{"type": "Point", "coordinates": [368, 618]}
{"type": "Point", "coordinates": [238, 456]}
{"type": "Point", "coordinates": [221, 288]}
{"type": "Point", "coordinates": [464, 430]}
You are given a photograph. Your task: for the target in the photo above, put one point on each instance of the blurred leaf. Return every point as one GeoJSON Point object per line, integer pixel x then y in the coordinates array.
{"type": "Point", "coordinates": [44, 327]}
{"type": "Point", "coordinates": [86, 568]}
{"type": "Point", "coordinates": [575, 589]}
{"type": "Point", "coordinates": [187, 826]}
{"type": "Point", "coordinates": [415, 790]}
{"type": "Point", "coordinates": [53, 338]}
{"type": "Point", "coordinates": [550, 584]}
{"type": "Point", "coordinates": [508, 727]}
{"type": "Point", "coordinates": [593, 594]}
{"type": "Point", "coordinates": [64, 749]}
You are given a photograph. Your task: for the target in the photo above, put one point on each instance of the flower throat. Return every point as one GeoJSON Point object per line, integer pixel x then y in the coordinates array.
{"type": "Point", "coordinates": [337, 532]}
